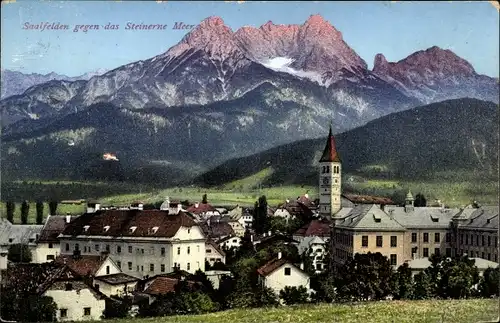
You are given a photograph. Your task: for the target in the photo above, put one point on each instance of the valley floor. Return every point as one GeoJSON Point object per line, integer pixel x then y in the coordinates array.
{"type": "Point", "coordinates": [452, 311]}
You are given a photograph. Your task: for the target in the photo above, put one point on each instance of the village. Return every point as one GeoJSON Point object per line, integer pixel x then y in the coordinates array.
{"type": "Point", "coordinates": [89, 264]}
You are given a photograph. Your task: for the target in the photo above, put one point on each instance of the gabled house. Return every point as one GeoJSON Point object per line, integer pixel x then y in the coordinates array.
{"type": "Point", "coordinates": [216, 229]}
{"type": "Point", "coordinates": [229, 242]}
{"type": "Point", "coordinates": [119, 284]}
{"type": "Point", "coordinates": [48, 247]}
{"type": "Point", "coordinates": [214, 253]}
{"type": "Point", "coordinates": [160, 285]}
{"type": "Point", "coordinates": [89, 266]}
{"type": "Point", "coordinates": [203, 210]}
{"type": "Point", "coordinates": [11, 234]}
{"type": "Point", "coordinates": [75, 298]}
{"type": "Point", "coordinates": [315, 247]}
{"type": "Point", "coordinates": [279, 273]}
{"type": "Point", "coordinates": [270, 238]}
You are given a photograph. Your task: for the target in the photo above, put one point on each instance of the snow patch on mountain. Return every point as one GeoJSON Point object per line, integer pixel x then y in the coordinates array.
{"type": "Point", "coordinates": [282, 64]}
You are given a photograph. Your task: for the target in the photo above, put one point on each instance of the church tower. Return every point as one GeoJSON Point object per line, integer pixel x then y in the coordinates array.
{"type": "Point", "coordinates": [330, 175]}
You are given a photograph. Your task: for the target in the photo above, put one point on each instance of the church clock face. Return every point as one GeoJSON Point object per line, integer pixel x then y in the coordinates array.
{"type": "Point", "coordinates": [325, 181]}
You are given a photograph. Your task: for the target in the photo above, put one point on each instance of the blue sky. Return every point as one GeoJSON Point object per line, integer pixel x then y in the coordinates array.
{"type": "Point", "coordinates": [397, 29]}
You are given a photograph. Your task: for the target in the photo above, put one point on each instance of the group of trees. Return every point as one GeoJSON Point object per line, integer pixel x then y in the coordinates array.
{"type": "Point", "coordinates": [370, 277]}
{"type": "Point", "coordinates": [10, 207]}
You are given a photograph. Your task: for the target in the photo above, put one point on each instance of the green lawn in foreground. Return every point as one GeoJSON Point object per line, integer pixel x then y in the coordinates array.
{"type": "Point", "coordinates": [452, 311]}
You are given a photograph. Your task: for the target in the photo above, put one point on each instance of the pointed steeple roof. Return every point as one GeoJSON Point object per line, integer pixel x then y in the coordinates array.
{"type": "Point", "coordinates": [330, 153]}
{"type": "Point", "coordinates": [409, 196]}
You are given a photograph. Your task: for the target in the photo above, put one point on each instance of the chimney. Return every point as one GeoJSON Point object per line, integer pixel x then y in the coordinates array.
{"type": "Point", "coordinates": [208, 222]}
{"type": "Point", "coordinates": [301, 266]}
{"type": "Point", "coordinates": [68, 218]}
{"type": "Point", "coordinates": [196, 205]}
{"type": "Point", "coordinates": [306, 196]}
{"type": "Point", "coordinates": [279, 255]}
{"type": "Point", "coordinates": [251, 238]}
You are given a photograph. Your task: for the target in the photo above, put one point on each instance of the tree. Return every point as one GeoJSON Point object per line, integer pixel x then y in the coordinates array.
{"type": "Point", "coordinates": [10, 206]}
{"type": "Point", "coordinates": [364, 277]}
{"type": "Point", "coordinates": [19, 253]}
{"type": "Point", "coordinates": [420, 200]}
{"type": "Point", "coordinates": [265, 297]}
{"type": "Point", "coordinates": [117, 308]}
{"type": "Point", "coordinates": [422, 286]}
{"type": "Point", "coordinates": [403, 283]}
{"type": "Point", "coordinates": [25, 209]}
{"type": "Point", "coordinates": [39, 212]}
{"type": "Point", "coordinates": [204, 199]}
{"type": "Point", "coordinates": [261, 221]}
{"type": "Point", "coordinates": [53, 207]}
{"type": "Point", "coordinates": [294, 295]}
{"type": "Point", "coordinates": [489, 285]}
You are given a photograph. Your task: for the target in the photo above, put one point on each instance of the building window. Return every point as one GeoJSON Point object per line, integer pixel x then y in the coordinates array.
{"type": "Point", "coordinates": [68, 286]}
{"type": "Point", "coordinates": [462, 238]}
{"type": "Point", "coordinates": [107, 270]}
{"type": "Point", "coordinates": [477, 240]}
{"type": "Point", "coordinates": [437, 237]}
{"type": "Point", "coordinates": [63, 312]}
{"type": "Point", "coordinates": [364, 241]}
{"type": "Point", "coordinates": [151, 267]}
{"type": "Point", "coordinates": [96, 247]}
{"type": "Point", "coordinates": [489, 242]}
{"type": "Point", "coordinates": [119, 264]}
{"type": "Point", "coordinates": [130, 249]}
{"type": "Point", "coordinates": [142, 251]}
{"type": "Point", "coordinates": [379, 241]}
{"type": "Point", "coordinates": [413, 237]}
{"type": "Point", "coordinates": [188, 266]}
{"type": "Point", "coordinates": [50, 257]}
{"type": "Point", "coordinates": [188, 250]}
{"type": "Point", "coordinates": [163, 251]}
{"type": "Point", "coordinates": [142, 268]}
{"type": "Point", "coordinates": [129, 265]}
{"type": "Point", "coordinates": [50, 245]}
{"type": "Point", "coordinates": [426, 252]}
{"type": "Point", "coordinates": [394, 241]}
{"type": "Point", "coordinates": [426, 237]}
{"type": "Point", "coordinates": [288, 271]}
{"type": "Point", "coordinates": [394, 260]}
{"type": "Point", "coordinates": [482, 241]}
{"type": "Point", "coordinates": [162, 268]}
{"type": "Point", "coordinates": [107, 247]}
{"type": "Point", "coordinates": [437, 251]}
{"type": "Point", "coordinates": [414, 252]}
{"type": "Point", "coordinates": [67, 247]}
{"type": "Point", "coordinates": [467, 239]}
{"type": "Point", "coordinates": [482, 255]}
{"type": "Point", "coordinates": [86, 311]}
{"type": "Point", "coordinates": [178, 250]}
{"type": "Point", "coordinates": [448, 237]}
{"type": "Point", "coordinates": [489, 256]}
{"type": "Point", "coordinates": [448, 252]}
{"type": "Point", "coordinates": [118, 249]}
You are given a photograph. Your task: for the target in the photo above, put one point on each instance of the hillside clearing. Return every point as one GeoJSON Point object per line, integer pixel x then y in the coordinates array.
{"type": "Point", "coordinates": [452, 311]}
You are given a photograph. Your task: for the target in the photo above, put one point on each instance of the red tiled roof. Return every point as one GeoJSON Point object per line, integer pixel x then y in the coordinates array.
{"type": "Point", "coordinates": [163, 285]}
{"type": "Point", "coordinates": [367, 199]}
{"type": "Point", "coordinates": [53, 228]}
{"type": "Point", "coordinates": [217, 229]}
{"type": "Point", "coordinates": [271, 266]}
{"type": "Point", "coordinates": [330, 153]}
{"type": "Point", "coordinates": [202, 208]}
{"type": "Point", "coordinates": [82, 265]}
{"type": "Point", "coordinates": [120, 223]}
{"type": "Point", "coordinates": [318, 228]}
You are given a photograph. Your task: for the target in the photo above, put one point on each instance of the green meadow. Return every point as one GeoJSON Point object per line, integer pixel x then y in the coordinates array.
{"type": "Point", "coordinates": [429, 311]}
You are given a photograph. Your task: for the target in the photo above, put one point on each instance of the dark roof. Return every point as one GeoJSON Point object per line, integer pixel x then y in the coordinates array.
{"type": "Point", "coordinates": [116, 279]}
{"type": "Point", "coordinates": [38, 278]}
{"type": "Point", "coordinates": [264, 240]}
{"type": "Point", "coordinates": [368, 199]}
{"type": "Point", "coordinates": [201, 208]}
{"type": "Point", "coordinates": [320, 228]}
{"type": "Point", "coordinates": [162, 285]}
{"type": "Point", "coordinates": [216, 247]}
{"type": "Point", "coordinates": [120, 223]}
{"type": "Point", "coordinates": [82, 265]}
{"type": "Point", "coordinates": [53, 227]}
{"type": "Point", "coordinates": [217, 229]}
{"type": "Point", "coordinates": [330, 153]}
{"type": "Point", "coordinates": [271, 266]}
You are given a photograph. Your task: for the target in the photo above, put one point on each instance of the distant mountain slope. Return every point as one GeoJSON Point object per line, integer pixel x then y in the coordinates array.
{"type": "Point", "coordinates": [15, 82]}
{"type": "Point", "coordinates": [451, 136]}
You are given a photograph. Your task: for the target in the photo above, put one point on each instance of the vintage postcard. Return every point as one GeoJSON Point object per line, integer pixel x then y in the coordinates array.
{"type": "Point", "coordinates": [327, 161]}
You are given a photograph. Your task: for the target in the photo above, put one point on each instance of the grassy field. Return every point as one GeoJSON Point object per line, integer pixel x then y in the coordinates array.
{"type": "Point", "coordinates": [61, 209]}
{"type": "Point", "coordinates": [452, 311]}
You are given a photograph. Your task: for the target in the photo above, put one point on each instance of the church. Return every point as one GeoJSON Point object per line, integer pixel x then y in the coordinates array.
{"type": "Point", "coordinates": [401, 233]}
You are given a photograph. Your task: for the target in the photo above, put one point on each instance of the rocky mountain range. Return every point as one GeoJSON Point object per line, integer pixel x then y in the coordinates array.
{"type": "Point", "coordinates": [15, 82]}
{"type": "Point", "coordinates": [220, 94]}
